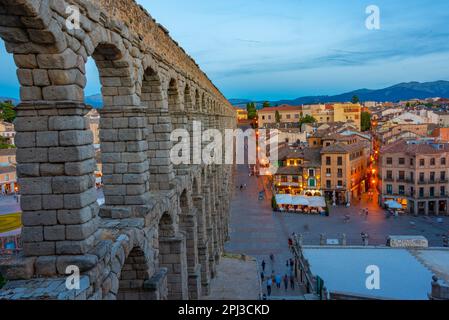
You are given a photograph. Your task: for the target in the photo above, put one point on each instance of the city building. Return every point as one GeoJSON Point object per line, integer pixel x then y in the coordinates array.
{"type": "Point", "coordinates": [7, 131]}
{"type": "Point", "coordinates": [347, 112]}
{"type": "Point", "coordinates": [8, 177]}
{"type": "Point", "coordinates": [242, 115]}
{"type": "Point", "coordinates": [345, 161]}
{"type": "Point", "coordinates": [415, 173]}
{"type": "Point", "coordinates": [287, 114]}
{"type": "Point", "coordinates": [94, 123]}
{"type": "Point", "coordinates": [299, 171]}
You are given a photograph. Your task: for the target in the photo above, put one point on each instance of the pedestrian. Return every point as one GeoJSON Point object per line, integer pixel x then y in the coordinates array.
{"type": "Point", "coordinates": [262, 276]}
{"type": "Point", "coordinates": [286, 282]}
{"type": "Point", "coordinates": [292, 283]}
{"type": "Point", "coordinates": [292, 263]}
{"type": "Point", "coordinates": [244, 186]}
{"type": "Point", "coordinates": [269, 284]}
{"type": "Point", "coordinates": [272, 257]}
{"type": "Point", "coordinates": [290, 243]}
{"type": "Point", "coordinates": [366, 213]}
{"type": "Point", "coordinates": [286, 263]}
{"type": "Point", "coordinates": [278, 280]}
{"type": "Point", "coordinates": [263, 265]}
{"type": "Point", "coordinates": [241, 187]}
{"type": "Point", "coordinates": [272, 276]}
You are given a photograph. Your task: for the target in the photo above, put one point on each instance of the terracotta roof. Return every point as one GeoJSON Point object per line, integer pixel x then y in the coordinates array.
{"type": "Point", "coordinates": [311, 156]}
{"type": "Point", "coordinates": [280, 108]}
{"type": "Point", "coordinates": [403, 146]}
{"type": "Point", "coordinates": [289, 170]}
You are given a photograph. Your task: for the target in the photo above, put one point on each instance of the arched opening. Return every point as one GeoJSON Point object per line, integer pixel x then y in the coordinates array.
{"type": "Point", "coordinates": [188, 224]}
{"type": "Point", "coordinates": [159, 122]}
{"type": "Point", "coordinates": [133, 276]}
{"type": "Point", "coordinates": [123, 148]}
{"type": "Point", "coordinates": [172, 256]}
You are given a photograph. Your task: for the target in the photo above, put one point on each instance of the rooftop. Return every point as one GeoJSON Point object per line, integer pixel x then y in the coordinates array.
{"type": "Point", "coordinates": [405, 274]}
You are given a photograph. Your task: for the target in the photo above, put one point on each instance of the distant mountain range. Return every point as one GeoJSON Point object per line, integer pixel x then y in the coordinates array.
{"type": "Point", "coordinates": [95, 100]}
{"type": "Point", "coordinates": [402, 91]}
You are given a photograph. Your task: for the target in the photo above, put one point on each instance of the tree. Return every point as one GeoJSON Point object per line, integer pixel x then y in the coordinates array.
{"type": "Point", "coordinates": [365, 121]}
{"type": "Point", "coordinates": [266, 104]}
{"type": "Point", "coordinates": [355, 100]}
{"type": "Point", "coordinates": [306, 119]}
{"type": "Point", "coordinates": [8, 113]}
{"type": "Point", "coordinates": [277, 115]}
{"type": "Point", "coordinates": [251, 109]}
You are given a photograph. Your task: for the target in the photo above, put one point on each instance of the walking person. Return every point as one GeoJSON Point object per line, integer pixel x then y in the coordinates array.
{"type": "Point", "coordinates": [269, 284]}
{"type": "Point", "coordinates": [263, 265]}
{"type": "Point", "coordinates": [285, 282]}
{"type": "Point", "coordinates": [278, 281]}
{"type": "Point", "coordinates": [292, 282]}
{"type": "Point", "coordinates": [262, 276]}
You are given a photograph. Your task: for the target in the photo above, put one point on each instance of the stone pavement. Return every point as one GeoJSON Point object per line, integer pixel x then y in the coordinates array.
{"type": "Point", "coordinates": [236, 279]}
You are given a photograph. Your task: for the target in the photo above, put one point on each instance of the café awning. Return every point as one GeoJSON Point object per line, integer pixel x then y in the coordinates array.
{"type": "Point", "coordinates": [393, 204]}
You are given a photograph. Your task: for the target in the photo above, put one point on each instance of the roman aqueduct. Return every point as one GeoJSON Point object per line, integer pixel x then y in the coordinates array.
{"type": "Point", "coordinates": [162, 228]}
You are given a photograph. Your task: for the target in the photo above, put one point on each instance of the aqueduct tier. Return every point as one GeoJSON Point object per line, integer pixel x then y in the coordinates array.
{"type": "Point", "coordinates": [161, 230]}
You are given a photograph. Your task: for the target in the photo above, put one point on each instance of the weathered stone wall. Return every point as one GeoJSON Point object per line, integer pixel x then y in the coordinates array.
{"type": "Point", "coordinates": [162, 228]}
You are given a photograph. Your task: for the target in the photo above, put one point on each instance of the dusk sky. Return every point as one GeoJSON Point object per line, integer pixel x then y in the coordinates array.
{"type": "Point", "coordinates": [265, 49]}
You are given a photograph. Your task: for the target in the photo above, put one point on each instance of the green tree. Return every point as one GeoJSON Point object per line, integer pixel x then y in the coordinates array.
{"type": "Point", "coordinates": [277, 116]}
{"type": "Point", "coordinates": [365, 121]}
{"type": "Point", "coordinates": [266, 104]}
{"type": "Point", "coordinates": [355, 100]}
{"type": "Point", "coordinates": [306, 119]}
{"type": "Point", "coordinates": [252, 111]}
{"type": "Point", "coordinates": [8, 113]}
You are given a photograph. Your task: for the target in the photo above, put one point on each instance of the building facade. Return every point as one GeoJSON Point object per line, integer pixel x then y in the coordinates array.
{"type": "Point", "coordinates": [416, 174]}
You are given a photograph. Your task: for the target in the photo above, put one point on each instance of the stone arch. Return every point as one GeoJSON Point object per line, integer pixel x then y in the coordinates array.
{"type": "Point", "coordinates": [174, 101]}
{"type": "Point", "coordinates": [172, 256]}
{"type": "Point", "coordinates": [188, 102]}
{"type": "Point", "coordinates": [116, 76]}
{"type": "Point", "coordinates": [133, 275]}
{"type": "Point", "coordinates": [198, 106]}
{"type": "Point", "coordinates": [158, 138]}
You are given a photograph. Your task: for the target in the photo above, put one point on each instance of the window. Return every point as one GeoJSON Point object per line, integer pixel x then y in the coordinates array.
{"type": "Point", "coordinates": [401, 190]}
{"type": "Point", "coordinates": [390, 175]}
{"type": "Point", "coordinates": [312, 182]}
{"type": "Point", "coordinates": [421, 192]}
{"type": "Point", "coordinates": [295, 179]}
{"type": "Point", "coordinates": [283, 178]}
{"type": "Point", "coordinates": [421, 177]}
{"type": "Point", "coordinates": [296, 116]}
{"type": "Point", "coordinates": [389, 160]}
{"type": "Point", "coordinates": [7, 177]}
{"type": "Point", "coordinates": [340, 183]}
{"type": "Point", "coordinates": [401, 175]}
{"type": "Point", "coordinates": [412, 162]}
{"type": "Point", "coordinates": [432, 176]}
{"type": "Point", "coordinates": [389, 189]}
{"type": "Point", "coordinates": [288, 116]}
{"type": "Point", "coordinates": [340, 173]}
{"type": "Point", "coordinates": [432, 161]}
{"type": "Point", "coordinates": [328, 171]}
{"type": "Point", "coordinates": [443, 175]}
{"type": "Point", "coordinates": [339, 161]}
{"type": "Point", "coordinates": [442, 191]}
{"type": "Point", "coordinates": [328, 184]}
{"type": "Point", "coordinates": [311, 172]}
{"type": "Point", "coordinates": [412, 177]}
{"type": "Point", "coordinates": [263, 117]}
{"type": "Point", "coordinates": [401, 161]}
{"type": "Point", "coordinates": [443, 161]}
{"type": "Point", "coordinates": [269, 117]}
{"type": "Point", "coordinates": [422, 162]}
{"type": "Point", "coordinates": [432, 192]}
{"type": "Point", "coordinates": [412, 191]}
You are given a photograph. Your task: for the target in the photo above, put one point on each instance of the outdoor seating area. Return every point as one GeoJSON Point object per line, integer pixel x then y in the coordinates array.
{"type": "Point", "coordinates": [10, 232]}
{"type": "Point", "coordinates": [300, 204]}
